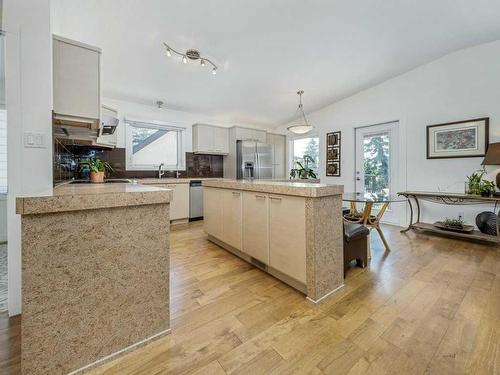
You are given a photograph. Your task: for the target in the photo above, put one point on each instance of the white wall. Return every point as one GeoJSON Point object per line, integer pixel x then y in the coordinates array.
{"type": "Point", "coordinates": [462, 85]}
{"type": "Point", "coordinates": [29, 105]}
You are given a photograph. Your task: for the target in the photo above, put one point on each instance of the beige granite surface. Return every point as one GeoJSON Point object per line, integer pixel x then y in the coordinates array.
{"type": "Point", "coordinates": [148, 181]}
{"type": "Point", "coordinates": [301, 189]}
{"type": "Point", "coordinates": [324, 246]}
{"type": "Point", "coordinates": [72, 197]}
{"type": "Point", "coordinates": [94, 282]}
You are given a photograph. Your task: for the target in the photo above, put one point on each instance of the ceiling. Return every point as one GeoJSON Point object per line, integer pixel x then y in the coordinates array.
{"type": "Point", "coordinates": [266, 50]}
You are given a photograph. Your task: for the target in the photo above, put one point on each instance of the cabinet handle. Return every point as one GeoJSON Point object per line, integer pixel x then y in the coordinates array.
{"type": "Point", "coordinates": [236, 193]}
{"type": "Point", "coordinates": [275, 199]}
{"type": "Point", "coordinates": [260, 196]}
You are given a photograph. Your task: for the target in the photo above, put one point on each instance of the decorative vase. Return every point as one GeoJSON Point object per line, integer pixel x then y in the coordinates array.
{"type": "Point", "coordinates": [96, 177]}
{"type": "Point", "coordinates": [484, 219]}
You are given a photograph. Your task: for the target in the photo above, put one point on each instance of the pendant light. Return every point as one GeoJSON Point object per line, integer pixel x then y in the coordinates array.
{"type": "Point", "coordinates": [303, 126]}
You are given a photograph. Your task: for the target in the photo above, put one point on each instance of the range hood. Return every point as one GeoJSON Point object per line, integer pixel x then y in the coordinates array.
{"type": "Point", "coordinates": [85, 131]}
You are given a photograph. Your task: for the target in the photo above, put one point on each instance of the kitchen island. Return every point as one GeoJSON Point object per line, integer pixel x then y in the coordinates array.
{"type": "Point", "coordinates": [291, 230]}
{"type": "Point", "coordinates": [95, 274]}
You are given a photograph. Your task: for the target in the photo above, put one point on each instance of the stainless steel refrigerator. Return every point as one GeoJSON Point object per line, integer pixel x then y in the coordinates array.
{"type": "Point", "coordinates": [254, 160]}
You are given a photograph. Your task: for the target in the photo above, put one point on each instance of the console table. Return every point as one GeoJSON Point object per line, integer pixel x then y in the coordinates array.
{"type": "Point", "coordinates": [449, 199]}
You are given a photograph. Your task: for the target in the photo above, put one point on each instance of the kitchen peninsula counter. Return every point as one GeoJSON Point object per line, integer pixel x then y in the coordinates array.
{"type": "Point", "coordinates": [95, 274]}
{"type": "Point", "coordinates": [285, 187]}
{"type": "Point", "coordinates": [74, 197]}
{"type": "Point", "coordinates": [292, 230]}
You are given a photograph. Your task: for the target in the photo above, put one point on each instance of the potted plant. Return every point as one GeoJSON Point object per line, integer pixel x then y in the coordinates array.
{"type": "Point", "coordinates": [303, 172]}
{"type": "Point", "coordinates": [97, 168]}
{"type": "Point", "coordinates": [486, 188]}
{"type": "Point", "coordinates": [474, 181]}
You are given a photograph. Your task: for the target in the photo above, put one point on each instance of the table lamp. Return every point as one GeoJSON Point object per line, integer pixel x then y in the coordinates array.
{"type": "Point", "coordinates": [493, 158]}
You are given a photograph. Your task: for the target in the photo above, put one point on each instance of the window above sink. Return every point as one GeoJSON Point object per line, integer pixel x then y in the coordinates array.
{"type": "Point", "coordinates": [149, 144]}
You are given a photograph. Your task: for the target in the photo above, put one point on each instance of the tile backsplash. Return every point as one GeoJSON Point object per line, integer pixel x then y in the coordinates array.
{"type": "Point", "coordinates": [67, 159]}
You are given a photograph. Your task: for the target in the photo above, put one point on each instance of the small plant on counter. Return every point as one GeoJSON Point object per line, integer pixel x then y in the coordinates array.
{"type": "Point", "coordinates": [97, 168]}
{"type": "Point", "coordinates": [454, 223]}
{"type": "Point", "coordinates": [303, 172]}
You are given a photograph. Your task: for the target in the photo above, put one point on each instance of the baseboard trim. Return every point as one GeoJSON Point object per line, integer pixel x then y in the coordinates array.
{"type": "Point", "coordinates": [326, 295]}
{"type": "Point", "coordinates": [123, 351]}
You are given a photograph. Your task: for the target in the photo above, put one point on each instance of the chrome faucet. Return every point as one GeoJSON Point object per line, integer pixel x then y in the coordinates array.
{"type": "Point", "coordinates": [160, 172]}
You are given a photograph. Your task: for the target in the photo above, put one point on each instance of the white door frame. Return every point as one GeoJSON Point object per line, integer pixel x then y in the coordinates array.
{"type": "Point", "coordinates": [398, 167]}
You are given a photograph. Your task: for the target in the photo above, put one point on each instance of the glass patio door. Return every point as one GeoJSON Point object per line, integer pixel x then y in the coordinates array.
{"type": "Point", "coordinates": [377, 162]}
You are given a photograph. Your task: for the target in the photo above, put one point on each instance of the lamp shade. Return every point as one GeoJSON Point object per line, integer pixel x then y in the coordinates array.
{"type": "Point", "coordinates": [492, 155]}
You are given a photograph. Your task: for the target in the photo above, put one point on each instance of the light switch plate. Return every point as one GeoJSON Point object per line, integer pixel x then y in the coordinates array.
{"type": "Point", "coordinates": [34, 140]}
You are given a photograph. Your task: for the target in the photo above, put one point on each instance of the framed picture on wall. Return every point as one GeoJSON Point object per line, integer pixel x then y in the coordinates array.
{"type": "Point", "coordinates": [333, 141]}
{"type": "Point", "coordinates": [460, 139]}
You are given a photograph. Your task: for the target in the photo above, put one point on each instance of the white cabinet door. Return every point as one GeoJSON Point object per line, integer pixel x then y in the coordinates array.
{"type": "Point", "coordinates": [221, 140]}
{"type": "Point", "coordinates": [259, 136]}
{"type": "Point", "coordinates": [243, 134]}
{"type": "Point", "coordinates": [255, 225]}
{"type": "Point", "coordinates": [204, 139]}
{"type": "Point", "coordinates": [76, 79]}
{"type": "Point", "coordinates": [210, 139]}
{"type": "Point", "coordinates": [279, 156]}
{"type": "Point", "coordinates": [287, 241]}
{"type": "Point", "coordinates": [212, 211]}
{"type": "Point", "coordinates": [231, 218]}
{"type": "Point", "coordinates": [179, 207]}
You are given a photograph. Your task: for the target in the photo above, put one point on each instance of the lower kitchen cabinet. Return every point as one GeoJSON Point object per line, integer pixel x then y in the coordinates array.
{"type": "Point", "coordinates": [255, 225]}
{"type": "Point", "coordinates": [212, 211]}
{"type": "Point", "coordinates": [287, 239]}
{"type": "Point", "coordinates": [270, 228]}
{"type": "Point", "coordinates": [179, 206]}
{"type": "Point", "coordinates": [231, 218]}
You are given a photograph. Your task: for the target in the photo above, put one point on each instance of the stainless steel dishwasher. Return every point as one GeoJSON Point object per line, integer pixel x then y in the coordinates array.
{"type": "Point", "coordinates": [195, 200]}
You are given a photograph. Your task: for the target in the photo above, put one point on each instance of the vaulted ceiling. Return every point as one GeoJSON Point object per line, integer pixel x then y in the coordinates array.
{"type": "Point", "coordinates": [266, 50]}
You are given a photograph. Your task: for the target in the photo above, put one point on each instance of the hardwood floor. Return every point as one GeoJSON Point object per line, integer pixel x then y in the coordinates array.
{"type": "Point", "coordinates": [431, 305]}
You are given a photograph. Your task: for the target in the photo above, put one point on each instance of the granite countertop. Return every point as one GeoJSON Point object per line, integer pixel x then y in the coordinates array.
{"type": "Point", "coordinates": [301, 189]}
{"type": "Point", "coordinates": [170, 180]}
{"type": "Point", "coordinates": [76, 197]}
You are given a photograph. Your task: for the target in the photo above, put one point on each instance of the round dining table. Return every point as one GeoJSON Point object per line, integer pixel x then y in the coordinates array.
{"type": "Point", "coordinates": [370, 202]}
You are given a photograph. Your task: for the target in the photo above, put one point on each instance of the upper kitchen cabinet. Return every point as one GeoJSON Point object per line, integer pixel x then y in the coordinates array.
{"type": "Point", "coordinates": [245, 134]}
{"type": "Point", "coordinates": [76, 75]}
{"type": "Point", "coordinates": [209, 139]}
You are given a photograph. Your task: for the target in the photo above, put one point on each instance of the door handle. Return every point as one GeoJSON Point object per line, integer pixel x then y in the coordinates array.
{"type": "Point", "coordinates": [358, 179]}
{"type": "Point", "coordinates": [260, 196]}
{"type": "Point", "coordinates": [275, 199]}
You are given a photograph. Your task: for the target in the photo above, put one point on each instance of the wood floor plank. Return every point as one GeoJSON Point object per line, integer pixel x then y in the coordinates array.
{"type": "Point", "coordinates": [429, 306]}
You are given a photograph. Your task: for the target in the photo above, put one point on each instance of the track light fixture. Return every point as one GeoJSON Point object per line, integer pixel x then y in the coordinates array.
{"type": "Point", "coordinates": [191, 54]}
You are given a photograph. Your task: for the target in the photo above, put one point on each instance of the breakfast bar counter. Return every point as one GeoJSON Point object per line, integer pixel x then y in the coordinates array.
{"type": "Point", "coordinates": [292, 230]}
{"type": "Point", "coordinates": [95, 274]}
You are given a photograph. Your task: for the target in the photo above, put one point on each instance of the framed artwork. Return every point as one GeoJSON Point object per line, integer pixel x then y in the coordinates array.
{"type": "Point", "coordinates": [461, 139]}
{"type": "Point", "coordinates": [333, 141]}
